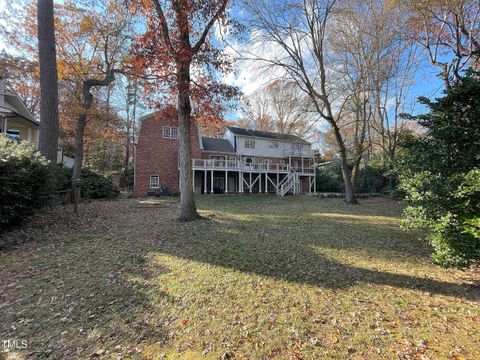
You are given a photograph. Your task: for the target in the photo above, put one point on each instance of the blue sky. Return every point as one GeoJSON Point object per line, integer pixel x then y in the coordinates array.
{"type": "Point", "coordinates": [426, 83]}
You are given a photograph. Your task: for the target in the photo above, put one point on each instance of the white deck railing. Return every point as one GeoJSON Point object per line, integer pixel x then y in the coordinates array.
{"type": "Point", "coordinates": [211, 164]}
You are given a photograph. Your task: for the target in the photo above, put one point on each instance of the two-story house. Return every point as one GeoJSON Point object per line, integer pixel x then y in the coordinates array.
{"type": "Point", "coordinates": [241, 161]}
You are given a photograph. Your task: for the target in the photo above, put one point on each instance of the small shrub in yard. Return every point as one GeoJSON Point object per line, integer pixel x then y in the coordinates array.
{"type": "Point", "coordinates": [95, 186]}
{"type": "Point", "coordinates": [328, 181]}
{"type": "Point", "coordinates": [26, 181]}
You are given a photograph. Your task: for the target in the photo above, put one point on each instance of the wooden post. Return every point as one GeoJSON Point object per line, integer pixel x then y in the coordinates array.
{"type": "Point", "coordinates": [250, 183]}
{"type": "Point", "coordinates": [266, 184]}
{"type": "Point", "coordinates": [205, 182]}
{"type": "Point", "coordinates": [76, 195]}
{"type": "Point", "coordinates": [240, 182]}
{"type": "Point", "coordinates": [211, 183]}
{"type": "Point", "coordinates": [226, 182]}
{"type": "Point", "coordinates": [260, 183]}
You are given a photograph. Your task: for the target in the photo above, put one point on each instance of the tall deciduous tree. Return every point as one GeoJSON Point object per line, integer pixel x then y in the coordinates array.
{"type": "Point", "coordinates": [282, 107]}
{"type": "Point", "coordinates": [48, 141]}
{"type": "Point", "coordinates": [92, 48]}
{"type": "Point", "coordinates": [178, 40]}
{"type": "Point", "coordinates": [297, 31]}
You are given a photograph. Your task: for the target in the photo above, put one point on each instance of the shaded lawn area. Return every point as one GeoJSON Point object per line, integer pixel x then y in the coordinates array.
{"type": "Point", "coordinates": [264, 278]}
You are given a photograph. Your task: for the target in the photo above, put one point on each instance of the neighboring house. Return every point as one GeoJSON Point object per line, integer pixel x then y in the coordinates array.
{"type": "Point", "coordinates": [18, 123]}
{"type": "Point", "coordinates": [15, 119]}
{"type": "Point", "coordinates": [241, 161]}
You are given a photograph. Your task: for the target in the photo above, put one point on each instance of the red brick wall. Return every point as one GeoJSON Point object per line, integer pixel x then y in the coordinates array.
{"type": "Point", "coordinates": [155, 155]}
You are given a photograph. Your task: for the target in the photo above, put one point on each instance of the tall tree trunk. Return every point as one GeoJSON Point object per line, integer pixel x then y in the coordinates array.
{"type": "Point", "coordinates": [77, 165]}
{"type": "Point", "coordinates": [188, 209]}
{"type": "Point", "coordinates": [346, 172]}
{"type": "Point", "coordinates": [48, 141]}
{"type": "Point", "coordinates": [127, 145]}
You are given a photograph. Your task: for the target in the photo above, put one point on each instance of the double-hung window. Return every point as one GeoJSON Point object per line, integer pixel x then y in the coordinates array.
{"type": "Point", "coordinates": [249, 143]}
{"type": "Point", "coordinates": [170, 132]}
{"type": "Point", "coordinates": [154, 182]}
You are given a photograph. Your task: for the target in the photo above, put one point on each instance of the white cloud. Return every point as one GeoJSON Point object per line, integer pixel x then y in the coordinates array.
{"type": "Point", "coordinates": [251, 73]}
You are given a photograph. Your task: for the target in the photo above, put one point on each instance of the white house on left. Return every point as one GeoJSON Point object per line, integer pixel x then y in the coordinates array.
{"type": "Point", "coordinates": [18, 123]}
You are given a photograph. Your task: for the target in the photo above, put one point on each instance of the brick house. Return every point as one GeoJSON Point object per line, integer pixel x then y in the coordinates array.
{"type": "Point", "coordinates": [241, 161]}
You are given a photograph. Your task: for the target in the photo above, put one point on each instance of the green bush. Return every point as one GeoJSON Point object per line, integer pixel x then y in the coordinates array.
{"type": "Point", "coordinates": [95, 186]}
{"type": "Point", "coordinates": [372, 178]}
{"type": "Point", "coordinates": [440, 175]}
{"type": "Point", "coordinates": [26, 181]}
{"type": "Point", "coordinates": [328, 181]}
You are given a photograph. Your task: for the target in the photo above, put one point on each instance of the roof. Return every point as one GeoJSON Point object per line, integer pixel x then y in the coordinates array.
{"type": "Point", "coordinates": [217, 145]}
{"type": "Point", "coordinates": [265, 134]}
{"type": "Point", "coordinates": [13, 104]}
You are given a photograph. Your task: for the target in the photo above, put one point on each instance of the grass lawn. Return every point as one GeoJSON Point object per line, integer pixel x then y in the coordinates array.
{"type": "Point", "coordinates": [263, 278]}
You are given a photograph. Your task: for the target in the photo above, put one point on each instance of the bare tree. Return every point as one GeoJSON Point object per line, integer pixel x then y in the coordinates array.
{"type": "Point", "coordinates": [48, 141]}
{"type": "Point", "coordinates": [258, 111]}
{"type": "Point", "coordinates": [282, 107]}
{"type": "Point", "coordinates": [449, 32]}
{"type": "Point", "coordinates": [298, 31]}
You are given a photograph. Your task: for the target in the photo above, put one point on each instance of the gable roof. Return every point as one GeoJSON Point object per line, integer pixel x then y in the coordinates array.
{"type": "Point", "coordinates": [218, 145]}
{"type": "Point", "coordinates": [13, 104]}
{"type": "Point", "coordinates": [265, 134]}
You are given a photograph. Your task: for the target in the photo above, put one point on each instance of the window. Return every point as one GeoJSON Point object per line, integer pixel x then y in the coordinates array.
{"type": "Point", "coordinates": [154, 182]}
{"type": "Point", "coordinates": [249, 143]}
{"type": "Point", "coordinates": [170, 132]}
{"type": "Point", "coordinates": [274, 144]}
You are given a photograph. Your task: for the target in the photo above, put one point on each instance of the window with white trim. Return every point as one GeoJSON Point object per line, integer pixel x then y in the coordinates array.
{"type": "Point", "coordinates": [170, 132]}
{"type": "Point", "coordinates": [154, 182]}
{"type": "Point", "coordinates": [249, 143]}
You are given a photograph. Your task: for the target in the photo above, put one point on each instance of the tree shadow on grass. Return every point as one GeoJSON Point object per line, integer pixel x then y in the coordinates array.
{"type": "Point", "coordinates": [85, 303]}
{"type": "Point", "coordinates": [290, 248]}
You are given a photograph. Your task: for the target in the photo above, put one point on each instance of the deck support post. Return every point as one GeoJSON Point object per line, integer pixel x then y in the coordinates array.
{"type": "Point", "coordinates": [250, 183]}
{"type": "Point", "coordinates": [226, 182]}
{"type": "Point", "coordinates": [260, 183]}
{"type": "Point", "coordinates": [240, 182]}
{"type": "Point", "coordinates": [211, 183]}
{"type": "Point", "coordinates": [314, 177]}
{"type": "Point", "coordinates": [205, 182]}
{"type": "Point", "coordinates": [266, 184]}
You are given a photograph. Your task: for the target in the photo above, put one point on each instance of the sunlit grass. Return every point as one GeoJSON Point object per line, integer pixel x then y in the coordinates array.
{"type": "Point", "coordinates": [260, 278]}
{"type": "Point", "coordinates": [362, 218]}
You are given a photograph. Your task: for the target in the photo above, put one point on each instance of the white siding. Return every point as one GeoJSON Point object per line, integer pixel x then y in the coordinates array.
{"type": "Point", "coordinates": [264, 148]}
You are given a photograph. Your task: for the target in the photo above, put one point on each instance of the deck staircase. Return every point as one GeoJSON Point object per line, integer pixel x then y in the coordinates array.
{"type": "Point", "coordinates": [291, 182]}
